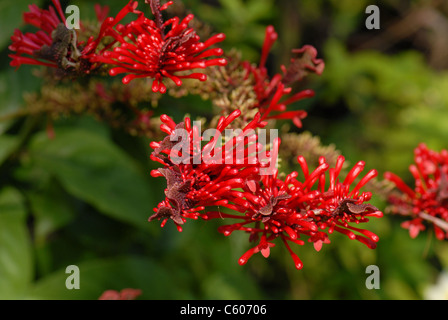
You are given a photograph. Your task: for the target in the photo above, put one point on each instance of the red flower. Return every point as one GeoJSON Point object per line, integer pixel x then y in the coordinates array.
{"type": "Point", "coordinates": [267, 216]}
{"type": "Point", "coordinates": [158, 49]}
{"type": "Point", "coordinates": [202, 177]}
{"type": "Point", "coordinates": [287, 209]}
{"type": "Point", "coordinates": [428, 201]}
{"type": "Point", "coordinates": [270, 91]}
{"type": "Point", "coordinates": [53, 45]}
{"type": "Point", "coordinates": [337, 207]}
{"type": "Point", "coordinates": [125, 294]}
{"type": "Point", "coordinates": [32, 43]}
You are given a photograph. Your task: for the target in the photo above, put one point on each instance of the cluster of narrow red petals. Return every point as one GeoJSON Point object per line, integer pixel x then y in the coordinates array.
{"type": "Point", "coordinates": [313, 207]}
{"type": "Point", "coordinates": [261, 205]}
{"type": "Point", "coordinates": [53, 45]}
{"type": "Point", "coordinates": [337, 207]}
{"type": "Point", "coordinates": [270, 91]}
{"type": "Point", "coordinates": [141, 48]}
{"type": "Point", "coordinates": [427, 203]}
{"type": "Point", "coordinates": [159, 49]}
{"type": "Point", "coordinates": [202, 175]}
{"type": "Point", "coordinates": [31, 43]}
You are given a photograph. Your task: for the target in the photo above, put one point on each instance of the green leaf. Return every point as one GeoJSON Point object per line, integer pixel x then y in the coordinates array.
{"type": "Point", "coordinates": [16, 270]}
{"type": "Point", "coordinates": [97, 276]}
{"type": "Point", "coordinates": [229, 286]}
{"type": "Point", "coordinates": [13, 85]}
{"type": "Point", "coordinates": [259, 10]}
{"type": "Point", "coordinates": [95, 170]}
{"type": "Point", "coordinates": [51, 210]}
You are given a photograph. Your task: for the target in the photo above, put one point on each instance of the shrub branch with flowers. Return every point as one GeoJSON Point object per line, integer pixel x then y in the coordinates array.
{"type": "Point", "coordinates": [239, 179]}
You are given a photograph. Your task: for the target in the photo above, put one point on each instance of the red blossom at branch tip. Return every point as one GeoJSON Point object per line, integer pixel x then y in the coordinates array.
{"type": "Point", "coordinates": [274, 93]}
{"type": "Point", "coordinates": [159, 49]}
{"type": "Point", "coordinates": [53, 44]}
{"type": "Point", "coordinates": [202, 175]}
{"type": "Point", "coordinates": [427, 203]}
{"type": "Point", "coordinates": [314, 207]}
{"type": "Point", "coordinates": [30, 44]}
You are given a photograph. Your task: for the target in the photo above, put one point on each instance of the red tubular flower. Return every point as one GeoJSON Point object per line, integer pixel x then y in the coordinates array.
{"type": "Point", "coordinates": [427, 203]}
{"type": "Point", "coordinates": [32, 43]}
{"type": "Point", "coordinates": [158, 49]}
{"type": "Point", "coordinates": [287, 209]}
{"type": "Point", "coordinates": [268, 216]}
{"type": "Point", "coordinates": [337, 207]}
{"type": "Point", "coordinates": [270, 91]}
{"type": "Point", "coordinates": [199, 177]}
{"type": "Point", "coordinates": [53, 45]}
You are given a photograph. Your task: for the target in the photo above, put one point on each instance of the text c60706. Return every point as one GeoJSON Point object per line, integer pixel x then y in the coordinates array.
{"type": "Point", "coordinates": [245, 309]}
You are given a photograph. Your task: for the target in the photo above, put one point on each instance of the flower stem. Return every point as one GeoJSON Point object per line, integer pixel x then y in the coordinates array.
{"type": "Point", "coordinates": [16, 114]}
{"type": "Point", "coordinates": [439, 222]}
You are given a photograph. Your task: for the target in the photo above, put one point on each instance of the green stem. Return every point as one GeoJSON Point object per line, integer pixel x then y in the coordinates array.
{"type": "Point", "coordinates": [14, 115]}
{"type": "Point", "coordinates": [22, 113]}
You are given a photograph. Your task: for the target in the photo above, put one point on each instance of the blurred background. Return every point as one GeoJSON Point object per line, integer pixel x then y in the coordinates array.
{"type": "Point", "coordinates": [83, 198]}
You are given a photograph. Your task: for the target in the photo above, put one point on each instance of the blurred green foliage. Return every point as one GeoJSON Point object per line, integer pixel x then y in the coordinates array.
{"type": "Point", "coordinates": [84, 197]}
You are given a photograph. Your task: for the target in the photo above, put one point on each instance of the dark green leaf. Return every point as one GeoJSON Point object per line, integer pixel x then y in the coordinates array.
{"type": "Point", "coordinates": [7, 145]}
{"type": "Point", "coordinates": [92, 168]}
{"type": "Point", "coordinates": [51, 210]}
{"type": "Point", "coordinates": [16, 269]}
{"type": "Point", "coordinates": [97, 276]}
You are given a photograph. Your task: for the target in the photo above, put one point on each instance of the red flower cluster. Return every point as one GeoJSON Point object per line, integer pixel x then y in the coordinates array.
{"type": "Point", "coordinates": [158, 49]}
{"type": "Point", "coordinates": [270, 91]}
{"type": "Point", "coordinates": [53, 45]}
{"type": "Point", "coordinates": [204, 176]}
{"type": "Point", "coordinates": [428, 201]}
{"type": "Point", "coordinates": [290, 208]}
{"type": "Point", "coordinates": [142, 48]}
{"type": "Point", "coordinates": [266, 206]}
